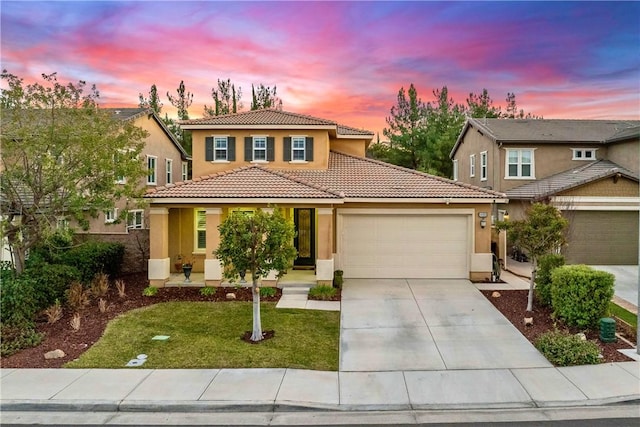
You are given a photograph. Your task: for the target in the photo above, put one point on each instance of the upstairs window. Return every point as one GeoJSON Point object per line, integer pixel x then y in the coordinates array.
{"type": "Point", "coordinates": [185, 171]}
{"type": "Point", "coordinates": [169, 170]}
{"type": "Point", "coordinates": [110, 216]}
{"type": "Point", "coordinates": [259, 149]}
{"type": "Point", "coordinates": [220, 149]}
{"type": "Point", "coordinates": [584, 154]}
{"type": "Point", "coordinates": [455, 170]}
{"type": "Point", "coordinates": [520, 164]}
{"type": "Point", "coordinates": [152, 162]}
{"type": "Point", "coordinates": [483, 166]}
{"type": "Point", "coordinates": [135, 219]}
{"type": "Point", "coordinates": [298, 149]}
{"type": "Point", "coordinates": [472, 165]}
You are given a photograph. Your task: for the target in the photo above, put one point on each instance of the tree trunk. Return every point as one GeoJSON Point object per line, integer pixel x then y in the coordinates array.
{"type": "Point", "coordinates": [532, 284]}
{"type": "Point", "coordinates": [256, 335]}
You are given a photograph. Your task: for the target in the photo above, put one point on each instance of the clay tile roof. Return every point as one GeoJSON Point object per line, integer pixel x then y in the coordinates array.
{"type": "Point", "coordinates": [359, 177]}
{"type": "Point", "coordinates": [571, 178]}
{"type": "Point", "coordinates": [247, 182]}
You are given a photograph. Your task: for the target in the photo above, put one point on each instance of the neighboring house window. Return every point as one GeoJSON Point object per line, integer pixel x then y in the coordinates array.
{"type": "Point", "coordinates": [152, 172]}
{"type": "Point", "coordinates": [259, 148]}
{"type": "Point", "coordinates": [110, 216]}
{"type": "Point", "coordinates": [584, 153]}
{"type": "Point", "coordinates": [483, 166]}
{"type": "Point", "coordinates": [298, 149]}
{"type": "Point", "coordinates": [169, 164]}
{"type": "Point", "coordinates": [120, 179]}
{"type": "Point", "coordinates": [520, 164]}
{"type": "Point", "coordinates": [220, 148]}
{"type": "Point", "coordinates": [455, 170]}
{"type": "Point", "coordinates": [472, 165]}
{"type": "Point", "coordinates": [135, 219]}
{"type": "Point", "coordinates": [62, 223]}
{"type": "Point", "coordinates": [201, 230]}
{"type": "Point", "coordinates": [185, 171]}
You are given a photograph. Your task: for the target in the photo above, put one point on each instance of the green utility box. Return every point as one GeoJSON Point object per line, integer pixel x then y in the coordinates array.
{"type": "Point", "coordinates": [607, 329]}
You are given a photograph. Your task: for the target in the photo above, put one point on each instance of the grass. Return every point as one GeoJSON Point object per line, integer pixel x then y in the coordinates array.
{"type": "Point", "coordinates": [206, 335]}
{"type": "Point", "coordinates": [621, 313]}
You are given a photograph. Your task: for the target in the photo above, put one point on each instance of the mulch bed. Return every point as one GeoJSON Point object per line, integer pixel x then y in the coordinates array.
{"type": "Point", "coordinates": [513, 303]}
{"type": "Point", "coordinates": [60, 335]}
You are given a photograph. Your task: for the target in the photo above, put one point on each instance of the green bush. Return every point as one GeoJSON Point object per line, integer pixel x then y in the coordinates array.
{"type": "Point", "coordinates": [18, 301]}
{"type": "Point", "coordinates": [94, 257]}
{"type": "Point", "coordinates": [14, 338]}
{"type": "Point", "coordinates": [322, 292]}
{"type": "Point", "coordinates": [580, 295]}
{"type": "Point", "coordinates": [546, 264]}
{"type": "Point", "coordinates": [267, 292]}
{"type": "Point", "coordinates": [50, 249]}
{"type": "Point", "coordinates": [50, 282]}
{"type": "Point", "coordinates": [149, 291]}
{"type": "Point", "coordinates": [206, 291]}
{"type": "Point", "coordinates": [563, 349]}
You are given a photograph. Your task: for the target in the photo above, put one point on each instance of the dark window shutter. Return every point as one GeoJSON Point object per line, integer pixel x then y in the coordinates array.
{"type": "Point", "coordinates": [231, 148]}
{"type": "Point", "coordinates": [287, 149]}
{"type": "Point", "coordinates": [308, 149]}
{"type": "Point", "coordinates": [208, 148]}
{"type": "Point", "coordinates": [248, 149]}
{"type": "Point", "coordinates": [271, 142]}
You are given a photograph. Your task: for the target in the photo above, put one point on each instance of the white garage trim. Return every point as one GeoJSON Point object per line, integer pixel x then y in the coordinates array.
{"type": "Point", "coordinates": [389, 260]}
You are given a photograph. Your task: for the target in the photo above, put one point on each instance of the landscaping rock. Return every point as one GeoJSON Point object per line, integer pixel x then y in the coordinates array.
{"type": "Point", "coordinates": [496, 294]}
{"type": "Point", "coordinates": [54, 354]}
{"type": "Point", "coordinates": [231, 295]}
{"type": "Point", "coordinates": [528, 321]}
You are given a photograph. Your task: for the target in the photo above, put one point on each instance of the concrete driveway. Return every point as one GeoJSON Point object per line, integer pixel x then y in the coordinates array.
{"type": "Point", "coordinates": [427, 324]}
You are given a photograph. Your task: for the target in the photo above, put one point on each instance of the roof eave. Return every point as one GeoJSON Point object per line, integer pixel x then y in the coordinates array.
{"type": "Point", "coordinates": [256, 127]}
{"type": "Point", "coordinates": [434, 200]}
{"type": "Point", "coordinates": [201, 201]}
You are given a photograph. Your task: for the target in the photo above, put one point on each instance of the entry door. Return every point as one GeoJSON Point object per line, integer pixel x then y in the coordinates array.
{"type": "Point", "coordinates": [305, 241]}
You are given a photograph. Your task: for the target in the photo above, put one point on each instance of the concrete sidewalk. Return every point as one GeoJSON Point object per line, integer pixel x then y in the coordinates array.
{"type": "Point", "coordinates": [175, 390]}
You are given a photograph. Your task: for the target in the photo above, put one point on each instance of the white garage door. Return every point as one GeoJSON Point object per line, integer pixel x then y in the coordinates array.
{"type": "Point", "coordinates": [405, 246]}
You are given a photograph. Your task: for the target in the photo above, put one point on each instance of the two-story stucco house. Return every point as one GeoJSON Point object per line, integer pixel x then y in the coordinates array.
{"type": "Point", "coordinates": [587, 168]}
{"type": "Point", "coordinates": [365, 217]}
{"type": "Point", "coordinates": [167, 162]}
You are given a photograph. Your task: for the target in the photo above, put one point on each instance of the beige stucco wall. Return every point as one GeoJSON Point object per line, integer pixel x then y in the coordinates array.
{"type": "Point", "coordinates": [475, 143]}
{"type": "Point", "coordinates": [606, 188]}
{"type": "Point", "coordinates": [626, 154]}
{"type": "Point", "coordinates": [355, 147]}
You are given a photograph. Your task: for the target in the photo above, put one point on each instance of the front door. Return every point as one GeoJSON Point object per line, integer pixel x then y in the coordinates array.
{"type": "Point", "coordinates": [305, 240]}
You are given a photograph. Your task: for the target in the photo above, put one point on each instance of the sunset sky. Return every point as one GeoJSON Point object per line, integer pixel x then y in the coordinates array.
{"type": "Point", "coordinates": [344, 61]}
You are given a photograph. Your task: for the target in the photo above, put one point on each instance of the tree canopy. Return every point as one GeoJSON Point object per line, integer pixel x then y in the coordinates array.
{"type": "Point", "coordinates": [226, 99]}
{"type": "Point", "coordinates": [62, 157]}
{"type": "Point", "coordinates": [263, 97]}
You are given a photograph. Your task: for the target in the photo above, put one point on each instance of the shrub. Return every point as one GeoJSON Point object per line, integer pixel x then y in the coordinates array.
{"type": "Point", "coordinates": [18, 301]}
{"type": "Point", "coordinates": [322, 292]}
{"type": "Point", "coordinates": [14, 338]}
{"type": "Point", "coordinates": [77, 296]}
{"type": "Point", "coordinates": [54, 313]}
{"type": "Point", "coordinates": [580, 295]}
{"type": "Point", "coordinates": [95, 257]}
{"type": "Point", "coordinates": [120, 286]}
{"type": "Point", "coordinates": [149, 291]}
{"type": "Point", "coordinates": [563, 349]}
{"type": "Point", "coordinates": [51, 281]}
{"type": "Point", "coordinates": [268, 292]}
{"type": "Point", "coordinates": [338, 280]}
{"type": "Point", "coordinates": [100, 285]}
{"type": "Point", "coordinates": [75, 322]}
{"type": "Point", "coordinates": [207, 291]}
{"type": "Point", "coordinates": [546, 264]}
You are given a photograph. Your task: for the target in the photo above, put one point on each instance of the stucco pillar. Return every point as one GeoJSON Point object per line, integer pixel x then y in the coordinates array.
{"type": "Point", "coordinates": [212, 266]}
{"type": "Point", "coordinates": [159, 261]}
{"type": "Point", "coordinates": [324, 258]}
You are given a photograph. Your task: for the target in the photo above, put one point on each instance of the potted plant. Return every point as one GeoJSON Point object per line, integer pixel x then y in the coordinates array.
{"type": "Point", "coordinates": [187, 266]}
{"type": "Point", "coordinates": [178, 262]}
{"type": "Point", "coordinates": [338, 279]}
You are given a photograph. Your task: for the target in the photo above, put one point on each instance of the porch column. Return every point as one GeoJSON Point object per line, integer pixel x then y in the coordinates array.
{"type": "Point", "coordinates": [159, 261]}
{"type": "Point", "coordinates": [324, 259]}
{"type": "Point", "coordinates": [212, 266]}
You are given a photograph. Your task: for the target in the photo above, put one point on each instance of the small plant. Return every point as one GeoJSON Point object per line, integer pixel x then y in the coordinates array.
{"type": "Point", "coordinates": [75, 322]}
{"type": "Point", "coordinates": [338, 279]}
{"type": "Point", "coordinates": [15, 338]}
{"type": "Point", "coordinates": [564, 349]}
{"type": "Point", "coordinates": [267, 292]}
{"type": "Point", "coordinates": [102, 305]}
{"type": "Point", "coordinates": [322, 292]}
{"type": "Point", "coordinates": [100, 285]}
{"type": "Point", "coordinates": [207, 291]}
{"type": "Point", "coordinates": [120, 286]}
{"type": "Point", "coordinates": [54, 313]}
{"type": "Point", "coordinates": [77, 296]}
{"type": "Point", "coordinates": [150, 291]}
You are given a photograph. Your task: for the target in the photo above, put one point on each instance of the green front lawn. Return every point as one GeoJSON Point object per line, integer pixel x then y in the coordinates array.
{"type": "Point", "coordinates": [621, 313]}
{"type": "Point", "coordinates": [207, 335]}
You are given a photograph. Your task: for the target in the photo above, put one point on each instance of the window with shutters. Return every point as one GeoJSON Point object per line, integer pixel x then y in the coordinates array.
{"type": "Point", "coordinates": [260, 148]}
{"type": "Point", "coordinates": [220, 148]}
{"type": "Point", "coordinates": [201, 230]}
{"type": "Point", "coordinates": [298, 149]}
{"type": "Point", "coordinates": [298, 145]}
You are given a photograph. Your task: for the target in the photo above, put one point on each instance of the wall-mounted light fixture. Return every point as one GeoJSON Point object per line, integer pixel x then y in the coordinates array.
{"type": "Point", "coordinates": [483, 219]}
{"type": "Point", "coordinates": [505, 217]}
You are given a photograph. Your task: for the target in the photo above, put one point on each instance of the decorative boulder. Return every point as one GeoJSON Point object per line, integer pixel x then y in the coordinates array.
{"type": "Point", "coordinates": [528, 321]}
{"type": "Point", "coordinates": [54, 354]}
{"type": "Point", "coordinates": [231, 295]}
{"type": "Point", "coordinates": [496, 294]}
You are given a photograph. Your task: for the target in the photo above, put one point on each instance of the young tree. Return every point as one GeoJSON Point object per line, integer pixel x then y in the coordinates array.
{"type": "Point", "coordinates": [512, 112]}
{"type": "Point", "coordinates": [259, 243]}
{"type": "Point", "coordinates": [182, 101]}
{"type": "Point", "coordinates": [153, 101]}
{"type": "Point", "coordinates": [226, 99]}
{"type": "Point", "coordinates": [264, 97]}
{"type": "Point", "coordinates": [62, 157]}
{"type": "Point", "coordinates": [540, 233]}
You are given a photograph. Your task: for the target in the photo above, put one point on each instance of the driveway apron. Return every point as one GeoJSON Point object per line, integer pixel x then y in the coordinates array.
{"type": "Point", "coordinates": [427, 324]}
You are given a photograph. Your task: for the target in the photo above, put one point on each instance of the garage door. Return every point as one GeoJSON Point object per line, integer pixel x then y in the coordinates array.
{"type": "Point", "coordinates": [602, 238]}
{"type": "Point", "coordinates": [404, 246]}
